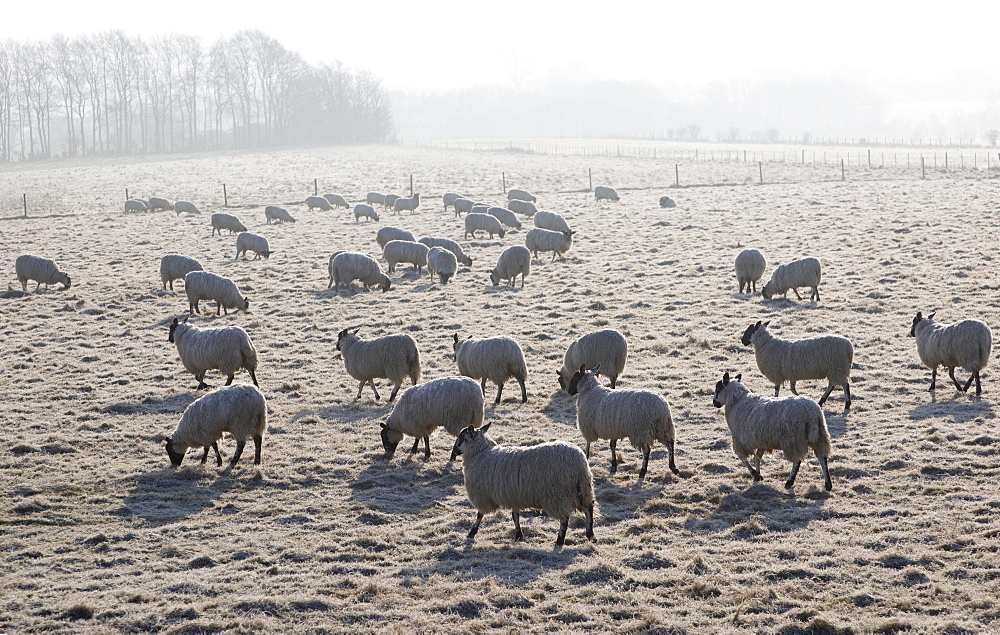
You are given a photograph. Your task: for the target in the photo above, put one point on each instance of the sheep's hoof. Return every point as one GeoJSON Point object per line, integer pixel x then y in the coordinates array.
{"type": "Point", "coordinates": [518, 537]}
{"type": "Point", "coordinates": [788, 484]}
{"type": "Point", "coordinates": [675, 470]}
{"type": "Point", "coordinates": [757, 478]}
{"type": "Point", "coordinates": [828, 487]}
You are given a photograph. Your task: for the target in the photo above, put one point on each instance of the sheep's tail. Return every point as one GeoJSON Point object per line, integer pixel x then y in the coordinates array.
{"type": "Point", "coordinates": [249, 353]}
{"type": "Point", "coordinates": [584, 490]}
{"type": "Point", "coordinates": [413, 364]}
{"type": "Point", "coordinates": [819, 436]}
{"type": "Point", "coordinates": [985, 347]}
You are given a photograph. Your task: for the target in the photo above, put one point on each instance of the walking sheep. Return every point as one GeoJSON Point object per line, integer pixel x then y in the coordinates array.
{"type": "Point", "coordinates": [277, 214]}
{"type": "Point", "coordinates": [965, 344]}
{"type": "Point", "coordinates": [825, 357]}
{"type": "Point", "coordinates": [409, 204]}
{"type": "Point", "coordinates": [602, 192]}
{"type": "Point", "coordinates": [397, 251]}
{"type": "Point", "coordinates": [318, 202]}
{"type": "Point", "coordinates": [453, 403]}
{"type": "Point", "coordinates": [365, 210]}
{"type": "Point", "coordinates": [505, 216]}
{"type": "Point", "coordinates": [606, 348]}
{"type": "Point", "coordinates": [393, 357]}
{"type": "Point", "coordinates": [159, 204]}
{"type": "Point", "coordinates": [222, 221]}
{"type": "Point", "coordinates": [240, 410]}
{"type": "Point", "coordinates": [523, 208]}
{"type": "Point", "coordinates": [202, 285]}
{"type": "Point", "coordinates": [750, 266]}
{"type": "Point", "coordinates": [441, 262]}
{"type": "Point", "coordinates": [336, 200]}
{"type": "Point", "coordinates": [554, 477]}
{"type": "Point", "coordinates": [450, 245]}
{"type": "Point", "coordinates": [136, 205]}
{"type": "Point", "coordinates": [385, 234]}
{"type": "Point", "coordinates": [449, 198]}
{"type": "Point", "coordinates": [494, 358]}
{"type": "Point", "coordinates": [521, 195]}
{"type": "Point", "coordinates": [551, 221]}
{"type": "Point", "coordinates": [228, 349]}
{"type": "Point", "coordinates": [375, 198]}
{"type": "Point", "coordinates": [186, 207]}
{"type": "Point", "coordinates": [475, 222]}
{"type": "Point", "coordinates": [175, 267]}
{"type": "Point", "coordinates": [41, 270]}
{"type": "Point", "coordinates": [246, 241]}
{"type": "Point", "coordinates": [641, 415]}
{"type": "Point", "coordinates": [806, 272]}
{"type": "Point", "coordinates": [513, 261]}
{"type": "Point", "coordinates": [345, 267]}
{"type": "Point", "coordinates": [390, 200]}
{"type": "Point", "coordinates": [761, 424]}
{"type": "Point", "coordinates": [542, 240]}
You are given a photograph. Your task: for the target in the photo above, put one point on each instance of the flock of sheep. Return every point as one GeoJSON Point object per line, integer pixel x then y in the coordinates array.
{"type": "Point", "coordinates": [554, 477]}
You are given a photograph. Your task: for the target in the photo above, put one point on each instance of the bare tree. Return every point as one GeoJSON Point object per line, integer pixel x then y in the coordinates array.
{"type": "Point", "coordinates": [991, 137]}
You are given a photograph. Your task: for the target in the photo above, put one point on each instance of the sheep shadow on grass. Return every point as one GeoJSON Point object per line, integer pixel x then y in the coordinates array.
{"type": "Point", "coordinates": [955, 410]}
{"type": "Point", "coordinates": [762, 508]}
{"type": "Point", "coordinates": [171, 495]}
{"type": "Point", "coordinates": [406, 483]}
{"type": "Point", "coordinates": [172, 404]}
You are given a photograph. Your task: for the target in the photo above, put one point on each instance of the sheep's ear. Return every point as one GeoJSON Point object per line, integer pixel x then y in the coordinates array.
{"type": "Point", "coordinates": [931, 316]}
{"type": "Point", "coordinates": [174, 323]}
{"type": "Point", "coordinates": [456, 337]}
{"type": "Point", "coordinates": [485, 428]}
{"type": "Point", "coordinates": [166, 439]}
{"type": "Point", "coordinates": [187, 318]}
{"type": "Point", "coordinates": [739, 377]}
{"type": "Point", "coordinates": [596, 369]}
{"type": "Point", "coordinates": [757, 324]}
{"type": "Point", "coordinates": [583, 368]}
{"type": "Point", "coordinates": [355, 332]}
{"type": "Point", "coordinates": [725, 378]}
{"type": "Point", "coordinates": [766, 323]}
{"type": "Point", "coordinates": [920, 316]}
{"type": "Point", "coordinates": [382, 423]}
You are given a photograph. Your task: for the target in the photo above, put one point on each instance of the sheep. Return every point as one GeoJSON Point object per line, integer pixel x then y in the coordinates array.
{"type": "Point", "coordinates": [480, 208]}
{"type": "Point", "coordinates": [602, 192]}
{"type": "Point", "coordinates": [175, 267]}
{"type": "Point", "coordinates": [277, 214]}
{"type": "Point", "coordinates": [513, 261]}
{"type": "Point", "coordinates": [136, 205]}
{"type": "Point", "coordinates": [485, 222]}
{"type": "Point", "coordinates": [385, 234]}
{"type": "Point", "coordinates": [226, 221]}
{"type": "Point", "coordinates": [551, 221]}
{"type": "Point", "coordinates": [606, 348]}
{"type": "Point", "coordinates": [409, 204]}
{"type": "Point", "coordinates": [524, 208]}
{"type": "Point", "coordinates": [558, 243]}
{"type": "Point", "coordinates": [375, 198]}
{"type": "Point", "coordinates": [641, 415]}
{"type": "Point", "coordinates": [463, 206]}
{"type": "Point", "coordinates": [554, 477]}
{"type": "Point", "coordinates": [451, 402]}
{"type": "Point", "coordinates": [442, 262]}
{"type": "Point", "coordinates": [228, 349]}
{"type": "Point", "coordinates": [505, 216]}
{"type": "Point", "coordinates": [157, 204]}
{"type": "Point", "coordinates": [966, 344]}
{"type": "Point", "coordinates": [494, 358]}
{"type": "Point", "coordinates": [394, 357]}
{"type": "Point", "coordinates": [318, 202]}
{"type": "Point", "coordinates": [336, 200]}
{"type": "Point", "coordinates": [256, 243]}
{"type": "Point", "coordinates": [825, 357]}
{"type": "Point", "coordinates": [41, 270]}
{"type": "Point", "coordinates": [202, 285]}
{"type": "Point", "coordinates": [449, 198]}
{"type": "Point", "coordinates": [521, 195]}
{"type": "Point", "coordinates": [806, 272]}
{"type": "Point", "coordinates": [761, 424]}
{"type": "Point", "coordinates": [185, 207]}
{"type": "Point", "coordinates": [240, 410]}
{"type": "Point", "coordinates": [397, 251]}
{"type": "Point", "coordinates": [363, 209]}
{"type": "Point", "coordinates": [390, 200]}
{"type": "Point", "coordinates": [450, 245]}
{"type": "Point", "coordinates": [666, 201]}
{"type": "Point", "coordinates": [346, 267]}
{"type": "Point", "coordinates": [750, 266]}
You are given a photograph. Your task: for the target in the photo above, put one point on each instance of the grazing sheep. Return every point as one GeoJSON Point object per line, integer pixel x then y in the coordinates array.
{"type": "Point", "coordinates": [480, 208]}
{"type": "Point", "coordinates": [393, 357]}
{"type": "Point", "coordinates": [449, 198]}
{"type": "Point", "coordinates": [397, 251]}
{"type": "Point", "coordinates": [409, 204]}
{"type": "Point", "coordinates": [336, 200]}
{"type": "Point", "coordinates": [226, 221]}
{"type": "Point", "coordinates": [641, 415]}
{"type": "Point", "coordinates": [450, 245]}
{"type": "Point", "coordinates": [521, 195]}
{"type": "Point", "coordinates": [390, 200]}
{"type": "Point", "coordinates": [240, 410]}
{"type": "Point", "coordinates": [318, 202]}
{"type": "Point", "coordinates": [524, 208]}
{"type": "Point", "coordinates": [475, 222]}
{"type": "Point", "coordinates": [375, 198]}
{"type": "Point", "coordinates": [41, 270]}
{"type": "Point", "coordinates": [666, 201]}
{"type": "Point", "coordinates": [551, 221]}
{"type": "Point", "coordinates": [454, 403]}
{"type": "Point", "coordinates": [185, 207]}
{"type": "Point", "coordinates": [750, 266]}
{"type": "Point", "coordinates": [160, 204]}
{"type": "Point", "coordinates": [346, 267]}
{"type": "Point", "coordinates": [246, 241]}
{"type": "Point", "coordinates": [513, 261]}
{"type": "Point", "coordinates": [363, 209]}
{"type": "Point", "coordinates": [442, 262]}
{"type": "Point", "coordinates": [202, 285]}
{"type": "Point", "coordinates": [463, 206]}
{"type": "Point", "coordinates": [175, 267]}
{"type": "Point", "coordinates": [277, 214]}
{"type": "Point", "coordinates": [541, 240]}
{"type": "Point", "coordinates": [494, 358]}
{"type": "Point", "coordinates": [606, 348]}
{"type": "Point", "coordinates": [505, 216]}
{"type": "Point", "coordinates": [385, 234]}
{"type": "Point", "coordinates": [761, 424]}
{"type": "Point", "coordinates": [136, 205]}
{"type": "Point", "coordinates": [602, 192]}
{"type": "Point", "coordinates": [825, 357]}
{"type": "Point", "coordinates": [229, 349]}
{"type": "Point", "coordinates": [965, 344]}
{"type": "Point", "coordinates": [554, 477]}
{"type": "Point", "coordinates": [806, 272]}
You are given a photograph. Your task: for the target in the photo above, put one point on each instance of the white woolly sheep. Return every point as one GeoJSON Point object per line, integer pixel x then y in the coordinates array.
{"type": "Point", "coordinates": [240, 410]}
{"type": "Point", "coordinates": [825, 357]}
{"type": "Point", "coordinates": [41, 270]}
{"type": "Point", "coordinates": [336, 200]}
{"type": "Point", "coordinates": [385, 234]}
{"type": "Point", "coordinates": [365, 210]}
{"type": "Point", "coordinates": [345, 267]}
{"type": "Point", "coordinates": [641, 415]}
{"type": "Point", "coordinates": [228, 349]}
{"type": "Point", "coordinates": [521, 195]}
{"type": "Point", "coordinates": [513, 261]}
{"type": "Point", "coordinates": [463, 206]}
{"type": "Point", "coordinates": [409, 204]}
{"type": "Point", "coordinates": [175, 267]}
{"type": "Point", "coordinates": [450, 245]}
{"type": "Point", "coordinates": [965, 344]}
{"type": "Point", "coordinates": [318, 202]}
{"type": "Point", "coordinates": [397, 251]}
{"type": "Point", "coordinates": [375, 198]}
{"type": "Point", "coordinates": [475, 222]}
{"type": "Point", "coordinates": [202, 285]}
{"type": "Point", "coordinates": [551, 221]}
{"type": "Point", "coordinates": [524, 208]}
{"type": "Point", "coordinates": [554, 477]}
{"type": "Point", "coordinates": [666, 201]}
{"type": "Point", "coordinates": [159, 204]}
{"type": "Point", "coordinates": [441, 262]}
{"type": "Point", "coordinates": [393, 357]}
{"type": "Point", "coordinates": [604, 193]}
{"type": "Point", "coordinates": [186, 207]}
{"type": "Point", "coordinates": [136, 205]}
{"type": "Point", "coordinates": [453, 403]}
{"type": "Point", "coordinates": [806, 272]}
{"type": "Point", "coordinates": [449, 198]}
{"type": "Point", "coordinates": [494, 358]}
{"type": "Point", "coordinates": [222, 221]}
{"type": "Point", "coordinates": [277, 214]}
{"type": "Point", "coordinates": [505, 216]}
{"type": "Point", "coordinates": [542, 240]}
{"type": "Point", "coordinates": [761, 424]}
{"type": "Point", "coordinates": [750, 266]}
{"type": "Point", "coordinates": [390, 200]}
{"type": "Point", "coordinates": [480, 208]}
{"type": "Point", "coordinates": [606, 348]}
{"type": "Point", "coordinates": [256, 243]}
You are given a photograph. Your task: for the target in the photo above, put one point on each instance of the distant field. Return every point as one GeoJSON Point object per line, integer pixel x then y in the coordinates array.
{"type": "Point", "coordinates": [99, 534]}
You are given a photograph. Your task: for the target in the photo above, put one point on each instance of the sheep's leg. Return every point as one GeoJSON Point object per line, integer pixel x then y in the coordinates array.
{"type": "Point", "coordinates": [816, 293]}
{"type": "Point", "coordinates": [590, 521]}
{"type": "Point", "coordinates": [204, 456]}
{"type": "Point", "coordinates": [482, 385]}
{"type": "Point", "coordinates": [416, 445]}
{"type": "Point", "coordinates": [239, 451]}
{"type": "Point", "coordinates": [253, 376]}
{"type": "Point", "coordinates": [561, 538]}
{"type": "Point", "coordinates": [645, 462]}
{"type": "Point", "coordinates": [951, 373]}
{"type": "Point", "coordinates": [847, 396]}
{"type": "Point", "coordinates": [395, 389]}
{"type": "Point", "coordinates": [614, 381]}
{"type": "Point", "coordinates": [791, 386]}
{"type": "Point", "coordinates": [371, 382]}
{"type": "Point", "coordinates": [258, 441]}
{"type": "Point", "coordinates": [524, 391]}
{"type": "Point", "coordinates": [670, 449]}
{"type": "Point", "coordinates": [754, 286]}
{"type": "Point", "coordinates": [229, 382]}
{"type": "Point", "coordinates": [796, 293]}
{"type": "Point", "coordinates": [979, 388]}
{"type": "Point", "coordinates": [519, 535]}
{"type": "Point", "coordinates": [360, 387]}
{"type": "Point", "coordinates": [499, 392]}
{"type": "Point", "coordinates": [427, 447]}
{"type": "Point", "coordinates": [201, 382]}
{"type": "Point", "coordinates": [475, 525]}
{"type": "Point", "coordinates": [933, 378]}
{"type": "Point", "coordinates": [777, 387]}
{"type": "Point", "coordinates": [829, 389]}
{"type": "Point", "coordinates": [614, 456]}
{"type": "Point", "coordinates": [587, 451]}
{"type": "Point", "coordinates": [754, 473]}
{"type": "Point", "coordinates": [793, 474]}
{"type": "Point", "coordinates": [756, 459]}
{"type": "Point", "coordinates": [826, 473]}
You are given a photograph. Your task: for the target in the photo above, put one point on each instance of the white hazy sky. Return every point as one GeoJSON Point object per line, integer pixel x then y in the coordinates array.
{"type": "Point", "coordinates": [433, 45]}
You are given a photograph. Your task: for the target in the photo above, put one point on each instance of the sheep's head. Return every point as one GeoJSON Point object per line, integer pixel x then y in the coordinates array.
{"type": "Point", "coordinates": [173, 327]}
{"type": "Point", "coordinates": [720, 385]}
{"type": "Point", "coordinates": [465, 437]}
{"type": "Point", "coordinates": [574, 383]}
{"type": "Point", "coordinates": [916, 320]}
{"type": "Point", "coordinates": [753, 328]}
{"type": "Point", "coordinates": [348, 332]}
{"type": "Point", "coordinates": [494, 277]}
{"type": "Point", "coordinates": [246, 303]}
{"type": "Point", "coordinates": [386, 284]}
{"type": "Point", "coordinates": [67, 281]}
{"type": "Point", "coordinates": [390, 439]}
{"type": "Point", "coordinates": [175, 456]}
{"type": "Point", "coordinates": [767, 291]}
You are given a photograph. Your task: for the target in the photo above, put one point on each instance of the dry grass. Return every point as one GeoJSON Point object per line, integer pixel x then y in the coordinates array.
{"type": "Point", "coordinates": [98, 533]}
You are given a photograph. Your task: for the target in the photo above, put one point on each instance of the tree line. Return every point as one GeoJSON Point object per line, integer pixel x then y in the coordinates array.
{"type": "Point", "coordinates": [112, 93]}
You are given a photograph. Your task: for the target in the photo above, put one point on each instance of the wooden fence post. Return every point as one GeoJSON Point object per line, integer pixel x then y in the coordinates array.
{"type": "Point", "coordinates": [760, 168]}
{"type": "Point", "coordinates": [590, 180]}
{"type": "Point", "coordinates": [225, 196]}
{"type": "Point", "coordinates": [843, 176]}
{"type": "Point", "coordinates": [503, 179]}
{"type": "Point", "coordinates": [677, 176]}
{"type": "Point", "coordinates": [126, 194]}
{"type": "Point", "coordinates": [25, 197]}
{"type": "Point", "coordinates": [411, 186]}
{"type": "Point", "coordinates": [315, 187]}
{"type": "Point", "coordinates": [923, 171]}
